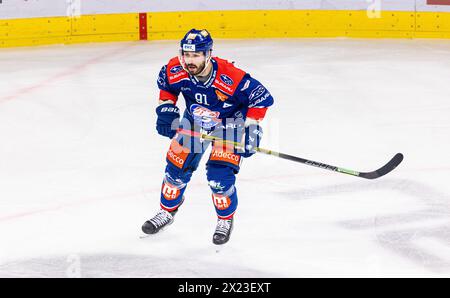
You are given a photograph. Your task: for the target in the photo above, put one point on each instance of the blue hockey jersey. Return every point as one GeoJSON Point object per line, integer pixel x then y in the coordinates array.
{"type": "Point", "coordinates": [229, 93]}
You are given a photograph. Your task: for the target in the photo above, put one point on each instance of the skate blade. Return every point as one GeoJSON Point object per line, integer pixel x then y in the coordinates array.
{"type": "Point", "coordinates": [143, 235]}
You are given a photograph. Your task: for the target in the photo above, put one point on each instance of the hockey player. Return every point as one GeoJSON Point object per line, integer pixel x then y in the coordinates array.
{"type": "Point", "coordinates": [221, 100]}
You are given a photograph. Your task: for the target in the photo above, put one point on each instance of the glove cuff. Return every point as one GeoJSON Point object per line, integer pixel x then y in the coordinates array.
{"type": "Point", "coordinates": [250, 121]}
{"type": "Point", "coordinates": [167, 108]}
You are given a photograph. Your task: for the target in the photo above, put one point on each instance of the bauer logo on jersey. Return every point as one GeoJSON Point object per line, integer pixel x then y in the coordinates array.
{"type": "Point", "coordinates": [226, 79]}
{"type": "Point", "coordinates": [205, 117]}
{"type": "Point", "coordinates": [257, 92]}
{"type": "Point", "coordinates": [176, 69]}
{"type": "Point", "coordinates": [189, 47]}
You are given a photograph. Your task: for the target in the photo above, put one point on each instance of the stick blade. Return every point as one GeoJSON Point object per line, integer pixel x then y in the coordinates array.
{"type": "Point", "coordinates": [387, 168]}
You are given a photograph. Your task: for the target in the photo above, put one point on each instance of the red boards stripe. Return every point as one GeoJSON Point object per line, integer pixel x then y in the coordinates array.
{"type": "Point", "coordinates": [438, 2]}
{"type": "Point", "coordinates": [143, 26]}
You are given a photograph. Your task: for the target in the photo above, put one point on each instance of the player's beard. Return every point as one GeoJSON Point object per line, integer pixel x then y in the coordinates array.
{"type": "Point", "coordinates": [197, 70]}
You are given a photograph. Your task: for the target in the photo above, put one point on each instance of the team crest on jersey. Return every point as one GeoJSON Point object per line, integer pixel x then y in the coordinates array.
{"type": "Point", "coordinates": [205, 117]}
{"type": "Point", "coordinates": [226, 79]}
{"type": "Point", "coordinates": [221, 96]}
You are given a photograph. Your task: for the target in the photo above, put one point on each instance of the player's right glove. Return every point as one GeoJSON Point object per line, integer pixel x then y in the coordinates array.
{"type": "Point", "coordinates": [168, 119]}
{"type": "Point", "coordinates": [252, 137]}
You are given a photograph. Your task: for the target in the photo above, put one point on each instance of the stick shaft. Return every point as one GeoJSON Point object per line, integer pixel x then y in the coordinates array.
{"type": "Point", "coordinates": [390, 166]}
{"type": "Point", "coordinates": [238, 145]}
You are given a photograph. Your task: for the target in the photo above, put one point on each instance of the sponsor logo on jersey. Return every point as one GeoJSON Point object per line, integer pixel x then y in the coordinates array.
{"type": "Point", "coordinates": [177, 75]}
{"type": "Point", "coordinates": [257, 92]}
{"type": "Point", "coordinates": [162, 77]}
{"type": "Point", "coordinates": [226, 79]}
{"type": "Point", "coordinates": [210, 81]}
{"type": "Point", "coordinates": [221, 84]}
{"type": "Point", "coordinates": [204, 117]}
{"type": "Point", "coordinates": [221, 96]}
{"type": "Point", "coordinates": [162, 82]}
{"type": "Point", "coordinates": [177, 154]}
{"type": "Point", "coordinates": [221, 202]}
{"type": "Point", "coordinates": [216, 185]}
{"type": "Point", "coordinates": [226, 105]}
{"type": "Point", "coordinates": [177, 160]}
{"type": "Point", "coordinates": [260, 100]}
{"type": "Point", "coordinates": [176, 69]}
{"type": "Point", "coordinates": [226, 156]}
{"type": "Point", "coordinates": [169, 191]}
{"type": "Point", "coordinates": [246, 85]}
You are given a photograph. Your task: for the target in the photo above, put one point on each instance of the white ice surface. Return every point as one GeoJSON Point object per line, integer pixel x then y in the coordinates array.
{"type": "Point", "coordinates": [81, 163]}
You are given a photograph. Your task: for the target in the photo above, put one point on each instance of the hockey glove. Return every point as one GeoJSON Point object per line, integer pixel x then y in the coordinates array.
{"type": "Point", "coordinates": [252, 137]}
{"type": "Point", "coordinates": [168, 119]}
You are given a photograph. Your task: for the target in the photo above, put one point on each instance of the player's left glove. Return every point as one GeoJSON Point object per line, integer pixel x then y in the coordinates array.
{"type": "Point", "coordinates": [168, 119]}
{"type": "Point", "coordinates": [252, 137]}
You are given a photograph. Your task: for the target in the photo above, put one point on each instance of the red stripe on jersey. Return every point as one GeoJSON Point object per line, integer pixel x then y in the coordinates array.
{"type": "Point", "coordinates": [256, 113]}
{"type": "Point", "coordinates": [165, 95]}
{"type": "Point", "coordinates": [228, 76]}
{"type": "Point", "coordinates": [175, 72]}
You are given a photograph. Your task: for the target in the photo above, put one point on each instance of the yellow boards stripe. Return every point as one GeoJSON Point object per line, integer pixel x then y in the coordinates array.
{"type": "Point", "coordinates": [225, 24]}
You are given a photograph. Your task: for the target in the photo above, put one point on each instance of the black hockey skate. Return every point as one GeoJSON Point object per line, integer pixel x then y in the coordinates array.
{"type": "Point", "coordinates": [223, 231]}
{"type": "Point", "coordinates": [162, 219]}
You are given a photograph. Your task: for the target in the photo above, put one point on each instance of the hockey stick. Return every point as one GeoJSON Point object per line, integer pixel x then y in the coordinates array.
{"type": "Point", "coordinates": [387, 168]}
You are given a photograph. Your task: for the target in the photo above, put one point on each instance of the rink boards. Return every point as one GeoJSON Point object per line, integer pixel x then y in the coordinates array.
{"type": "Point", "coordinates": [98, 21]}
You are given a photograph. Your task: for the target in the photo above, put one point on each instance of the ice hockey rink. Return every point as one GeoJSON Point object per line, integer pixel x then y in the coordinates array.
{"type": "Point", "coordinates": [81, 163]}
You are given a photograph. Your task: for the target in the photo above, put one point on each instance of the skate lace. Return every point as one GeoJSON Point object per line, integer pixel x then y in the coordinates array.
{"type": "Point", "coordinates": [161, 219]}
{"type": "Point", "coordinates": [223, 226]}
